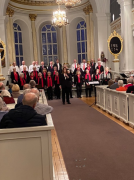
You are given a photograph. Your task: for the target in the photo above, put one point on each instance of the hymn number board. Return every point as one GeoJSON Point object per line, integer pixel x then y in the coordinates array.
{"type": "Point", "coordinates": [115, 44]}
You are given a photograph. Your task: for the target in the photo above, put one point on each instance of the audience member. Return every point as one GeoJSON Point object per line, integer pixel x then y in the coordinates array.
{"type": "Point", "coordinates": [32, 83]}
{"type": "Point", "coordinates": [115, 85]}
{"type": "Point", "coordinates": [10, 88]}
{"type": "Point", "coordinates": [3, 109]}
{"type": "Point", "coordinates": [26, 86]}
{"type": "Point", "coordinates": [25, 115]}
{"type": "Point", "coordinates": [7, 97]}
{"type": "Point", "coordinates": [129, 83]}
{"type": "Point", "coordinates": [15, 91]}
{"type": "Point", "coordinates": [130, 89]}
{"type": "Point", "coordinates": [2, 87]}
{"type": "Point", "coordinates": [110, 82]}
{"type": "Point", "coordinates": [121, 88]}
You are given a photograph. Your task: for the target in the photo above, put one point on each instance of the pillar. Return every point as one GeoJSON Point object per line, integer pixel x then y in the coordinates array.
{"type": "Point", "coordinates": [92, 35]}
{"type": "Point", "coordinates": [87, 12]}
{"type": "Point", "coordinates": [35, 51]}
{"type": "Point", "coordinates": [126, 57]}
{"type": "Point", "coordinates": [64, 37]}
{"type": "Point", "coordinates": [10, 36]}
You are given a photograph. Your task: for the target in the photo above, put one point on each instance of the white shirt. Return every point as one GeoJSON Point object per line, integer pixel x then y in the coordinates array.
{"type": "Point", "coordinates": [58, 66]}
{"type": "Point", "coordinates": [73, 67]}
{"type": "Point", "coordinates": [11, 69]}
{"type": "Point", "coordinates": [21, 68]}
{"type": "Point", "coordinates": [37, 67]}
{"type": "Point", "coordinates": [82, 64]}
{"type": "Point", "coordinates": [31, 68]}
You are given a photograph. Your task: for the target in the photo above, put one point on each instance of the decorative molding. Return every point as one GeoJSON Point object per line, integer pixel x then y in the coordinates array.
{"type": "Point", "coordinates": [9, 12]}
{"type": "Point", "coordinates": [35, 3]}
{"type": "Point", "coordinates": [32, 17]}
{"type": "Point", "coordinates": [116, 25]}
{"type": "Point", "coordinates": [87, 10]}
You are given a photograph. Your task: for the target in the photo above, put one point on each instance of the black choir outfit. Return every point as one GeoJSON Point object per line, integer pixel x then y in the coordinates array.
{"type": "Point", "coordinates": [50, 87]}
{"type": "Point", "coordinates": [35, 74]}
{"type": "Point", "coordinates": [78, 82]}
{"type": "Point", "coordinates": [32, 78]}
{"type": "Point", "coordinates": [65, 84]}
{"type": "Point", "coordinates": [60, 67]}
{"type": "Point", "coordinates": [101, 69]}
{"type": "Point", "coordinates": [87, 85]}
{"type": "Point", "coordinates": [15, 77]}
{"type": "Point", "coordinates": [78, 69]}
{"type": "Point", "coordinates": [40, 82]}
{"type": "Point", "coordinates": [105, 77]}
{"type": "Point", "coordinates": [70, 87]}
{"type": "Point", "coordinates": [26, 76]}
{"type": "Point", "coordinates": [92, 65]}
{"type": "Point", "coordinates": [96, 77]}
{"type": "Point", "coordinates": [57, 86]}
{"type": "Point", "coordinates": [44, 75]}
{"type": "Point", "coordinates": [22, 82]}
{"type": "Point", "coordinates": [41, 68]}
{"type": "Point", "coordinates": [51, 69]}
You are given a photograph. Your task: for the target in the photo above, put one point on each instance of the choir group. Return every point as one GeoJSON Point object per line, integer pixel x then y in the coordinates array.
{"type": "Point", "coordinates": [57, 78]}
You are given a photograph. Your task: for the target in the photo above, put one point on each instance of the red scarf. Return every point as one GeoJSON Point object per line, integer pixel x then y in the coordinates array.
{"type": "Point", "coordinates": [106, 73]}
{"type": "Point", "coordinates": [16, 76]}
{"type": "Point", "coordinates": [84, 66]}
{"type": "Point", "coordinates": [49, 81]}
{"type": "Point", "coordinates": [25, 74]}
{"type": "Point", "coordinates": [42, 82]}
{"type": "Point", "coordinates": [35, 73]}
{"type": "Point", "coordinates": [78, 78]}
{"type": "Point", "coordinates": [22, 81]}
{"type": "Point", "coordinates": [88, 68]}
{"type": "Point", "coordinates": [44, 75]}
{"type": "Point", "coordinates": [32, 77]}
{"type": "Point", "coordinates": [99, 69]}
{"type": "Point", "coordinates": [97, 77]}
{"type": "Point", "coordinates": [57, 79]}
{"type": "Point", "coordinates": [54, 73]}
{"type": "Point", "coordinates": [75, 65]}
{"type": "Point", "coordinates": [89, 76]}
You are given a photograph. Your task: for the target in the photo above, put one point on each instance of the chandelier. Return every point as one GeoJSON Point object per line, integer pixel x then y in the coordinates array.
{"type": "Point", "coordinates": [59, 18]}
{"type": "Point", "coordinates": [68, 3]}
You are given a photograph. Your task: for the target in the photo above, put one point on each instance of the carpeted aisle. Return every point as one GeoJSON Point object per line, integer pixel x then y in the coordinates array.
{"type": "Point", "coordinates": [93, 146]}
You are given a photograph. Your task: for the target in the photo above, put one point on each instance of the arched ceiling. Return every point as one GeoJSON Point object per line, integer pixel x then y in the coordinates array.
{"type": "Point", "coordinates": [41, 6]}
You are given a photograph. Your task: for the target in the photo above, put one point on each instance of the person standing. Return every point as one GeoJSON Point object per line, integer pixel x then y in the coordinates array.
{"type": "Point", "coordinates": [12, 67]}
{"type": "Point", "coordinates": [71, 83]}
{"type": "Point", "coordinates": [59, 66]}
{"type": "Point", "coordinates": [15, 76]}
{"type": "Point", "coordinates": [83, 65]}
{"type": "Point", "coordinates": [78, 82]}
{"type": "Point", "coordinates": [40, 81]}
{"type": "Point", "coordinates": [22, 81]}
{"type": "Point", "coordinates": [37, 66]}
{"type": "Point", "coordinates": [26, 74]}
{"type": "Point", "coordinates": [74, 65]}
{"type": "Point", "coordinates": [22, 66]}
{"type": "Point", "coordinates": [31, 67]}
{"type": "Point", "coordinates": [57, 85]}
{"type": "Point", "coordinates": [88, 78]}
{"type": "Point", "coordinates": [92, 65]}
{"type": "Point", "coordinates": [49, 86]}
{"type": "Point", "coordinates": [65, 84]}
{"type": "Point", "coordinates": [50, 67]}
{"type": "Point", "coordinates": [42, 67]}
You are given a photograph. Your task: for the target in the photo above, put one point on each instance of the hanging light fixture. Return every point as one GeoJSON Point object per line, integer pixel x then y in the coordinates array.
{"type": "Point", "coordinates": [68, 3]}
{"type": "Point", "coordinates": [59, 18]}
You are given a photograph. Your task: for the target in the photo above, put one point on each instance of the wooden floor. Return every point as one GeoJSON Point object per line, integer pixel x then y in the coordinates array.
{"type": "Point", "coordinates": [58, 161]}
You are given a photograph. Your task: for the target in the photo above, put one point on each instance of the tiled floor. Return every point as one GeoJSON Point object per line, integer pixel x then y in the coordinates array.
{"type": "Point", "coordinates": [58, 161]}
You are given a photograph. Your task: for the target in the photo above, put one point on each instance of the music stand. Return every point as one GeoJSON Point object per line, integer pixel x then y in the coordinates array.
{"type": "Point", "coordinates": [124, 75]}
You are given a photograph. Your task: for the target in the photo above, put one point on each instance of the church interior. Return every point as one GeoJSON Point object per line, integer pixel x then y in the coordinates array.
{"type": "Point", "coordinates": [69, 62]}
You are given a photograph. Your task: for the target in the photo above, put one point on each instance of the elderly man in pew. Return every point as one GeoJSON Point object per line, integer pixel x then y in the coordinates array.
{"type": "Point", "coordinates": [129, 83]}
{"type": "Point", "coordinates": [130, 89]}
{"type": "Point", "coordinates": [25, 115]}
{"type": "Point", "coordinates": [115, 85]}
{"type": "Point", "coordinates": [26, 86]}
{"type": "Point", "coordinates": [3, 108]}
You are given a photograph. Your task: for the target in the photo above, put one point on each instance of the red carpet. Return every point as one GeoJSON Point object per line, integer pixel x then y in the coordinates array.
{"type": "Point", "coordinates": [93, 146]}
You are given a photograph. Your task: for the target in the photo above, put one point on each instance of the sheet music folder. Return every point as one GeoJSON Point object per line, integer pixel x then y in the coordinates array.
{"type": "Point", "coordinates": [124, 75]}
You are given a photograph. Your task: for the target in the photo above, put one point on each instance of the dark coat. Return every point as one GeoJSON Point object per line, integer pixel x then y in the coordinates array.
{"type": "Point", "coordinates": [65, 82]}
{"type": "Point", "coordinates": [101, 68]}
{"type": "Point", "coordinates": [13, 78]}
{"type": "Point", "coordinates": [76, 71]}
{"type": "Point", "coordinates": [27, 76]}
{"type": "Point", "coordinates": [76, 80]}
{"type": "Point", "coordinates": [41, 69]}
{"type": "Point", "coordinates": [130, 89]}
{"type": "Point", "coordinates": [50, 69]}
{"type": "Point", "coordinates": [93, 67]}
{"type": "Point", "coordinates": [23, 116]}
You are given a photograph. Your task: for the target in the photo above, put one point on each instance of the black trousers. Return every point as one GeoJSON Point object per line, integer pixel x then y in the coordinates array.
{"type": "Point", "coordinates": [70, 92]}
{"type": "Point", "coordinates": [65, 91]}
{"type": "Point", "coordinates": [88, 90]}
{"type": "Point", "coordinates": [79, 89]}
{"type": "Point", "coordinates": [50, 93]}
{"type": "Point", "coordinates": [57, 91]}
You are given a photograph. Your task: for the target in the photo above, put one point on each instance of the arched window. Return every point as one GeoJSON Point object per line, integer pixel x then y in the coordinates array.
{"type": "Point", "coordinates": [81, 41]}
{"type": "Point", "coordinates": [49, 44]}
{"type": "Point", "coordinates": [18, 43]}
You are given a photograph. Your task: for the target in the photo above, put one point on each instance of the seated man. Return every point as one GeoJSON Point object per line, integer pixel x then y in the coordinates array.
{"type": "Point", "coordinates": [129, 83]}
{"type": "Point", "coordinates": [3, 109]}
{"type": "Point", "coordinates": [32, 83]}
{"type": "Point", "coordinates": [130, 89]}
{"type": "Point", "coordinates": [115, 85]}
{"type": "Point", "coordinates": [26, 86]}
{"type": "Point", "coordinates": [121, 88]}
{"type": "Point", "coordinates": [23, 116]}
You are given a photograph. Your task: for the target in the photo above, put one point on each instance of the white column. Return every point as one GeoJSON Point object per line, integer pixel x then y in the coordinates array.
{"type": "Point", "coordinates": [10, 36]}
{"type": "Point", "coordinates": [64, 36]}
{"type": "Point", "coordinates": [92, 35]}
{"type": "Point", "coordinates": [126, 57]}
{"type": "Point", "coordinates": [87, 11]}
{"type": "Point", "coordinates": [33, 18]}
{"type": "Point", "coordinates": [103, 32]}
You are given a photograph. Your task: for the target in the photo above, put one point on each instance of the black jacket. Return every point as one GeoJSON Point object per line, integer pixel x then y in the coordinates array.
{"type": "Point", "coordinates": [60, 67]}
{"type": "Point", "coordinates": [41, 69]}
{"type": "Point", "coordinates": [13, 78]}
{"type": "Point", "coordinates": [65, 82]}
{"type": "Point", "coordinates": [76, 80]}
{"type": "Point", "coordinates": [130, 89]}
{"type": "Point", "coordinates": [101, 69]}
{"type": "Point", "coordinates": [23, 116]}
